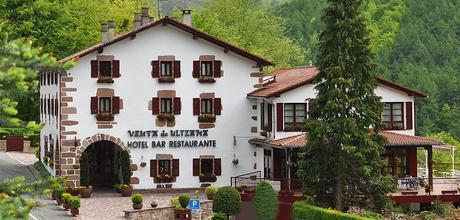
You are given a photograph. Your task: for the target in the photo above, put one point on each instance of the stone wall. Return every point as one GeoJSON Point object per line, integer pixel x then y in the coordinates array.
{"type": "Point", "coordinates": [2, 145]}
{"type": "Point", "coordinates": [167, 213]}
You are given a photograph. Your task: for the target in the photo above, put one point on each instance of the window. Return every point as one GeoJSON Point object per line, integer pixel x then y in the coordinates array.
{"type": "Point", "coordinates": [104, 105]}
{"type": "Point", "coordinates": [206, 68]}
{"type": "Point", "coordinates": [392, 115]}
{"type": "Point", "coordinates": [166, 68]}
{"type": "Point", "coordinates": [207, 166]}
{"type": "Point", "coordinates": [164, 167]}
{"type": "Point", "coordinates": [294, 115]}
{"type": "Point", "coordinates": [206, 106]}
{"type": "Point", "coordinates": [395, 163]}
{"type": "Point", "coordinates": [165, 105]}
{"type": "Point", "coordinates": [266, 116]}
{"type": "Point", "coordinates": [105, 68]}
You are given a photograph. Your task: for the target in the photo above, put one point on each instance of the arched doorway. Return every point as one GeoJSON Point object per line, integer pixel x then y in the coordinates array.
{"type": "Point", "coordinates": [103, 157]}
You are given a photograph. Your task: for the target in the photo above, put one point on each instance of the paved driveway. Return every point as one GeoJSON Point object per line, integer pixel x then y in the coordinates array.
{"type": "Point", "coordinates": [14, 164]}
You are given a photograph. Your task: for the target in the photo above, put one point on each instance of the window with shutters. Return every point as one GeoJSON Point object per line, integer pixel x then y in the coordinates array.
{"type": "Point", "coordinates": [166, 69]}
{"type": "Point", "coordinates": [206, 106]}
{"type": "Point", "coordinates": [166, 105]}
{"type": "Point", "coordinates": [392, 115]}
{"type": "Point", "coordinates": [206, 69]}
{"type": "Point", "coordinates": [105, 68]}
{"type": "Point", "coordinates": [105, 105]}
{"type": "Point", "coordinates": [164, 167]}
{"type": "Point", "coordinates": [266, 116]}
{"type": "Point", "coordinates": [207, 167]}
{"type": "Point", "coordinates": [295, 115]}
{"type": "Point", "coordinates": [104, 108]}
{"type": "Point", "coordinates": [207, 109]}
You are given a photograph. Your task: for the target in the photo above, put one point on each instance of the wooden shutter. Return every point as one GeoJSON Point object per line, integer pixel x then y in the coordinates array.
{"type": "Point", "coordinates": [177, 106]}
{"type": "Point", "coordinates": [94, 68]}
{"type": "Point", "coordinates": [196, 167]}
{"type": "Point", "coordinates": [409, 117]}
{"type": "Point", "coordinates": [196, 106]}
{"type": "Point", "coordinates": [115, 105]}
{"type": "Point", "coordinates": [155, 68]}
{"type": "Point", "coordinates": [115, 68]}
{"type": "Point", "coordinates": [94, 105]}
{"type": "Point", "coordinates": [196, 69]}
{"type": "Point", "coordinates": [217, 68]}
{"type": "Point", "coordinates": [56, 106]}
{"type": "Point", "coordinates": [176, 69]}
{"type": "Point", "coordinates": [270, 115]}
{"type": "Point", "coordinates": [175, 167]}
{"type": "Point", "coordinates": [153, 168]}
{"type": "Point", "coordinates": [155, 106]}
{"type": "Point", "coordinates": [217, 106]}
{"type": "Point", "coordinates": [217, 167]}
{"type": "Point", "coordinates": [279, 116]}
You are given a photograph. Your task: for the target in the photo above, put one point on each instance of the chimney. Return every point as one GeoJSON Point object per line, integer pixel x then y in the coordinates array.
{"type": "Point", "coordinates": [137, 20]}
{"type": "Point", "coordinates": [111, 25]}
{"type": "Point", "coordinates": [103, 32]}
{"type": "Point", "coordinates": [145, 16]}
{"type": "Point", "coordinates": [187, 17]}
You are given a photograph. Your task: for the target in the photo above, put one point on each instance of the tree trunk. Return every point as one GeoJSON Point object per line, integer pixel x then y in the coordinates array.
{"type": "Point", "coordinates": [339, 183]}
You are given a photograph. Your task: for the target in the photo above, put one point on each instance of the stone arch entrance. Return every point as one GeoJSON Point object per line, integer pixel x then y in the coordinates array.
{"type": "Point", "coordinates": [103, 156]}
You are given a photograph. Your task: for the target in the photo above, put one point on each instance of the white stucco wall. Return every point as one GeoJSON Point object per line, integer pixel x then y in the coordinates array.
{"type": "Point", "coordinates": [136, 87]}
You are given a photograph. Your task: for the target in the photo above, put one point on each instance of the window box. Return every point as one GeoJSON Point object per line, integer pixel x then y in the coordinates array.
{"type": "Point", "coordinates": [208, 178]}
{"type": "Point", "coordinates": [105, 79]}
{"type": "Point", "coordinates": [207, 80]}
{"type": "Point", "coordinates": [166, 80]}
{"type": "Point", "coordinates": [164, 178]}
{"type": "Point", "coordinates": [293, 129]}
{"type": "Point", "coordinates": [207, 118]}
{"type": "Point", "coordinates": [104, 117]}
{"type": "Point", "coordinates": [167, 117]}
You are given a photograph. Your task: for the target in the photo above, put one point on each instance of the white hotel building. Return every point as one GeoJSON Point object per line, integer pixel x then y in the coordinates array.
{"type": "Point", "coordinates": [187, 105]}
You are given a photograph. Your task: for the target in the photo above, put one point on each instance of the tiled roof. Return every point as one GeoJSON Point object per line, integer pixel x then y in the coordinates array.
{"type": "Point", "coordinates": [287, 79]}
{"type": "Point", "coordinates": [165, 21]}
{"type": "Point", "coordinates": [394, 140]}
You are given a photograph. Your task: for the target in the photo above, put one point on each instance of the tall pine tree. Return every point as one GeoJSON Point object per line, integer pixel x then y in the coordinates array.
{"type": "Point", "coordinates": [342, 158]}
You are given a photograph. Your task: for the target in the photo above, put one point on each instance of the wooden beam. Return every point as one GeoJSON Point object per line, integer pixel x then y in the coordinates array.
{"type": "Point", "coordinates": [430, 167]}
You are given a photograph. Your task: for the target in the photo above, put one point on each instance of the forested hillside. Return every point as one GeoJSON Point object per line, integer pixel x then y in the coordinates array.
{"type": "Point", "coordinates": [416, 42]}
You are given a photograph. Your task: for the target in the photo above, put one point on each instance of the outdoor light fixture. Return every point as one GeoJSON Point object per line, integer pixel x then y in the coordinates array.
{"type": "Point", "coordinates": [234, 140]}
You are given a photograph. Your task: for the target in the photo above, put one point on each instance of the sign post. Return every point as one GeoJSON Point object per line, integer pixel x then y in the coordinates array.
{"type": "Point", "coordinates": [195, 206]}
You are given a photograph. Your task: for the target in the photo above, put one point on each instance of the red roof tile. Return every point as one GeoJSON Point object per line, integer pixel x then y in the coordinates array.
{"type": "Point", "coordinates": [287, 79]}
{"type": "Point", "coordinates": [394, 140]}
{"type": "Point", "coordinates": [165, 21]}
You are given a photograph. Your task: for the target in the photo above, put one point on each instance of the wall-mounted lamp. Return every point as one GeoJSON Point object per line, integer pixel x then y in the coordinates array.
{"type": "Point", "coordinates": [234, 140]}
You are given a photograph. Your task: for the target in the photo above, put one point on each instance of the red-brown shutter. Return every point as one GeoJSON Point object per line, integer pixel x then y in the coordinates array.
{"type": "Point", "coordinates": [409, 118]}
{"type": "Point", "coordinates": [115, 105]}
{"type": "Point", "coordinates": [217, 68]}
{"type": "Point", "coordinates": [155, 68]}
{"type": "Point", "coordinates": [56, 106]}
{"type": "Point", "coordinates": [279, 117]}
{"type": "Point", "coordinates": [155, 106]}
{"type": "Point", "coordinates": [196, 167]}
{"type": "Point", "coordinates": [270, 115]}
{"type": "Point", "coordinates": [115, 68]}
{"type": "Point", "coordinates": [153, 168]}
{"type": "Point", "coordinates": [94, 105]}
{"type": "Point", "coordinates": [196, 106]}
{"type": "Point", "coordinates": [217, 106]}
{"type": "Point", "coordinates": [177, 106]}
{"type": "Point", "coordinates": [94, 68]}
{"type": "Point", "coordinates": [176, 69]}
{"type": "Point", "coordinates": [196, 69]}
{"type": "Point", "coordinates": [217, 167]}
{"type": "Point", "coordinates": [175, 167]}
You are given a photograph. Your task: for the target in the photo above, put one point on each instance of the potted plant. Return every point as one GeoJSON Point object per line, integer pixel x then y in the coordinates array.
{"type": "Point", "coordinates": [153, 204]}
{"type": "Point", "coordinates": [211, 191]}
{"type": "Point", "coordinates": [85, 189]}
{"type": "Point", "coordinates": [164, 178]}
{"type": "Point", "coordinates": [126, 190]}
{"type": "Point", "coordinates": [137, 200]}
{"type": "Point", "coordinates": [66, 201]}
{"type": "Point", "coordinates": [166, 117]}
{"type": "Point", "coordinates": [180, 205]}
{"type": "Point", "coordinates": [72, 191]}
{"type": "Point", "coordinates": [143, 164]}
{"type": "Point", "coordinates": [59, 193]}
{"type": "Point", "coordinates": [207, 118]}
{"type": "Point", "coordinates": [74, 205]}
{"type": "Point", "coordinates": [208, 178]}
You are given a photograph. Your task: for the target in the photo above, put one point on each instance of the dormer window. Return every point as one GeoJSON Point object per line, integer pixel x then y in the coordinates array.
{"type": "Point", "coordinates": [206, 69]}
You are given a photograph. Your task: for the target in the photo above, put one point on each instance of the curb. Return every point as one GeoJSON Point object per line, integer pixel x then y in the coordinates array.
{"type": "Point", "coordinates": [34, 172]}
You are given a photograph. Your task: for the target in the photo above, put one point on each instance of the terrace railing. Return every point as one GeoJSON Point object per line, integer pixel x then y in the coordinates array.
{"type": "Point", "coordinates": [279, 184]}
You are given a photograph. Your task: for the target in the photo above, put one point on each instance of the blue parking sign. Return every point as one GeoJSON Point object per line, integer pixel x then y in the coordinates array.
{"type": "Point", "coordinates": [194, 205]}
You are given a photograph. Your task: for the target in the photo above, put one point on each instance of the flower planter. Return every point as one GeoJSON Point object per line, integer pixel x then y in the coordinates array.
{"type": "Point", "coordinates": [59, 201]}
{"type": "Point", "coordinates": [183, 214]}
{"type": "Point", "coordinates": [207, 118]}
{"type": "Point", "coordinates": [169, 185]}
{"type": "Point", "coordinates": [126, 192]}
{"type": "Point", "coordinates": [66, 206]}
{"type": "Point", "coordinates": [86, 193]}
{"type": "Point", "coordinates": [207, 80]}
{"type": "Point", "coordinates": [137, 206]}
{"type": "Point", "coordinates": [104, 117]}
{"type": "Point", "coordinates": [74, 212]}
{"type": "Point", "coordinates": [208, 178]}
{"type": "Point", "coordinates": [166, 80]}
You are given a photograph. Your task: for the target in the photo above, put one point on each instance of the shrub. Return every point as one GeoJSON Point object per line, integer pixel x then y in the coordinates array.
{"type": "Point", "coordinates": [211, 191]}
{"type": "Point", "coordinates": [137, 198]}
{"type": "Point", "coordinates": [175, 203]}
{"type": "Point", "coordinates": [184, 199]}
{"type": "Point", "coordinates": [84, 170]}
{"type": "Point", "coordinates": [219, 216]}
{"type": "Point", "coordinates": [60, 192]}
{"type": "Point", "coordinates": [227, 200]}
{"type": "Point", "coordinates": [439, 208]}
{"type": "Point", "coordinates": [66, 197]}
{"type": "Point", "coordinates": [302, 210]}
{"type": "Point", "coordinates": [427, 215]}
{"type": "Point", "coordinates": [74, 202]}
{"type": "Point", "coordinates": [265, 202]}
{"type": "Point", "coordinates": [125, 167]}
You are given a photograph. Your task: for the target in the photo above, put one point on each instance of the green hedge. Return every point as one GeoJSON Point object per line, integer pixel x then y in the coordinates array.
{"type": "Point", "coordinates": [304, 211]}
